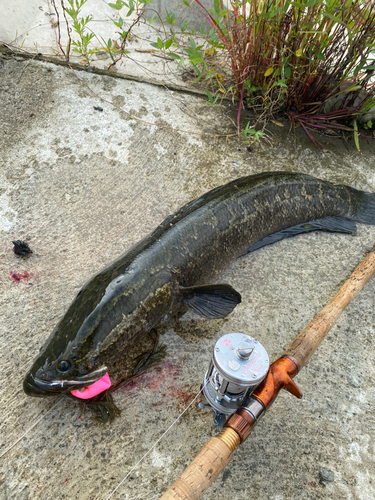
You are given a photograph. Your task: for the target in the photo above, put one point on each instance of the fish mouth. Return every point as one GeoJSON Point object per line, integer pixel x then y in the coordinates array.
{"type": "Point", "coordinates": [34, 386]}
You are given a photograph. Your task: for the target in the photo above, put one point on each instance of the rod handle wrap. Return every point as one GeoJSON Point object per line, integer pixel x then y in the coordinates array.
{"type": "Point", "coordinates": [205, 467]}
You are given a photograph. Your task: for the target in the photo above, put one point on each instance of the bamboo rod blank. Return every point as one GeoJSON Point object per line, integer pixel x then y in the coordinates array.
{"type": "Point", "coordinates": [306, 343]}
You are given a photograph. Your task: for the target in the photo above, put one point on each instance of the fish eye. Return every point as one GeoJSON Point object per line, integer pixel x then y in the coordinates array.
{"type": "Point", "coordinates": [63, 366]}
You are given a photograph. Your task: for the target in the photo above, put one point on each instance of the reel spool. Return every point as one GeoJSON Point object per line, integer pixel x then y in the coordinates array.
{"type": "Point", "coordinates": [238, 365]}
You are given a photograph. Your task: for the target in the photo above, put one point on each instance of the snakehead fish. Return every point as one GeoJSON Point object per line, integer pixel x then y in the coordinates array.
{"type": "Point", "coordinates": [173, 268]}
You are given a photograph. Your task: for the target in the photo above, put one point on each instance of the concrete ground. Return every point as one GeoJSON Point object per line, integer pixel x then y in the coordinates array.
{"type": "Point", "coordinates": [81, 186]}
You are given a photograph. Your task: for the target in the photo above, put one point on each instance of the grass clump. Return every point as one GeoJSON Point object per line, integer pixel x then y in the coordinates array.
{"type": "Point", "coordinates": [311, 59]}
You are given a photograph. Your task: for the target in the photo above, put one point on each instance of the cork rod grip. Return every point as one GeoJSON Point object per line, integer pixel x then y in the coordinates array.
{"type": "Point", "coordinates": [306, 343]}
{"type": "Point", "coordinates": [205, 467]}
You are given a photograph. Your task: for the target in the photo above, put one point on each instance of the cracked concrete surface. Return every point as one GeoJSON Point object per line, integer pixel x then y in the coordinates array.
{"type": "Point", "coordinates": [81, 186]}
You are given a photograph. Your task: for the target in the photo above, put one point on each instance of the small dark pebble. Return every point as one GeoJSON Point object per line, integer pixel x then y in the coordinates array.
{"type": "Point", "coordinates": [249, 149]}
{"type": "Point", "coordinates": [227, 473]}
{"type": "Point", "coordinates": [21, 248]}
{"type": "Point", "coordinates": [98, 108]}
{"type": "Point", "coordinates": [325, 476]}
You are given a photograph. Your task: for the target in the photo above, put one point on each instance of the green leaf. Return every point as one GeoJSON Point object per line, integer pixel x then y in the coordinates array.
{"type": "Point", "coordinates": [155, 45]}
{"type": "Point", "coordinates": [280, 83]}
{"type": "Point", "coordinates": [217, 6]}
{"type": "Point", "coordinates": [184, 24]}
{"type": "Point", "coordinates": [356, 137]}
{"type": "Point", "coordinates": [113, 6]}
{"type": "Point", "coordinates": [109, 43]}
{"type": "Point", "coordinates": [311, 3]}
{"type": "Point", "coordinates": [210, 98]}
{"type": "Point", "coordinates": [160, 43]}
{"type": "Point", "coordinates": [287, 72]}
{"type": "Point", "coordinates": [168, 43]}
{"type": "Point", "coordinates": [258, 133]}
{"type": "Point", "coordinates": [186, 3]}
{"type": "Point", "coordinates": [71, 13]}
{"type": "Point", "coordinates": [297, 4]}
{"type": "Point", "coordinates": [192, 43]}
{"type": "Point", "coordinates": [173, 56]}
{"type": "Point", "coordinates": [320, 56]}
{"type": "Point", "coordinates": [336, 19]}
{"type": "Point", "coordinates": [369, 67]}
{"type": "Point", "coordinates": [196, 58]}
{"type": "Point", "coordinates": [351, 88]}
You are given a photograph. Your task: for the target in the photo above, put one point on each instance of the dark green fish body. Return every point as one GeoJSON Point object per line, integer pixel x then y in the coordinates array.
{"type": "Point", "coordinates": [168, 271]}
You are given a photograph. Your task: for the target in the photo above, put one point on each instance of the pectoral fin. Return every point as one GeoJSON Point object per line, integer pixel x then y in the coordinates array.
{"type": "Point", "coordinates": [330, 224]}
{"type": "Point", "coordinates": [211, 301]}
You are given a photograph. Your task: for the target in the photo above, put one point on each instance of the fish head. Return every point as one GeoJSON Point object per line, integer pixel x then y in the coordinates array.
{"type": "Point", "coordinates": [76, 353]}
{"type": "Point", "coordinates": [67, 361]}
{"type": "Point", "coordinates": [58, 372]}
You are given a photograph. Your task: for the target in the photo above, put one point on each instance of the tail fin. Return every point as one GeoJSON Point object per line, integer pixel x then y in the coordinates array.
{"type": "Point", "coordinates": [362, 206]}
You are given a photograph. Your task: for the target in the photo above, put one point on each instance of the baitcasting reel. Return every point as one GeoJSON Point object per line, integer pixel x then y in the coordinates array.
{"type": "Point", "coordinates": [239, 364]}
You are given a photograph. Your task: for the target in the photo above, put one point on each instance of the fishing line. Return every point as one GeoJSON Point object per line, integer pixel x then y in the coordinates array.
{"type": "Point", "coordinates": [156, 442]}
{"type": "Point", "coordinates": [30, 428]}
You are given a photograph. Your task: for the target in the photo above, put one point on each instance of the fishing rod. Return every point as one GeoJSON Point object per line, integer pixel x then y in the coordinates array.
{"type": "Point", "coordinates": [239, 382]}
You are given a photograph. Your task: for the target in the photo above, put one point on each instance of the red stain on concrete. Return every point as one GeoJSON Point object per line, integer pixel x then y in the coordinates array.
{"type": "Point", "coordinates": [185, 395]}
{"type": "Point", "coordinates": [17, 277]}
{"type": "Point", "coordinates": [158, 379]}
{"type": "Point", "coordinates": [166, 380]}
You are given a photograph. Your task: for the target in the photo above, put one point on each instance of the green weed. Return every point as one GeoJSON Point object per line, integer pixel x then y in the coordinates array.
{"type": "Point", "coordinates": [79, 25]}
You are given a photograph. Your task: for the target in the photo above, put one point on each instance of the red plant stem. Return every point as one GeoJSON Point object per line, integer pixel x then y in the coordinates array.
{"type": "Point", "coordinates": [123, 44]}
{"type": "Point", "coordinates": [67, 30]}
{"type": "Point", "coordinates": [214, 24]}
{"type": "Point", "coordinates": [58, 29]}
{"type": "Point", "coordinates": [239, 107]}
